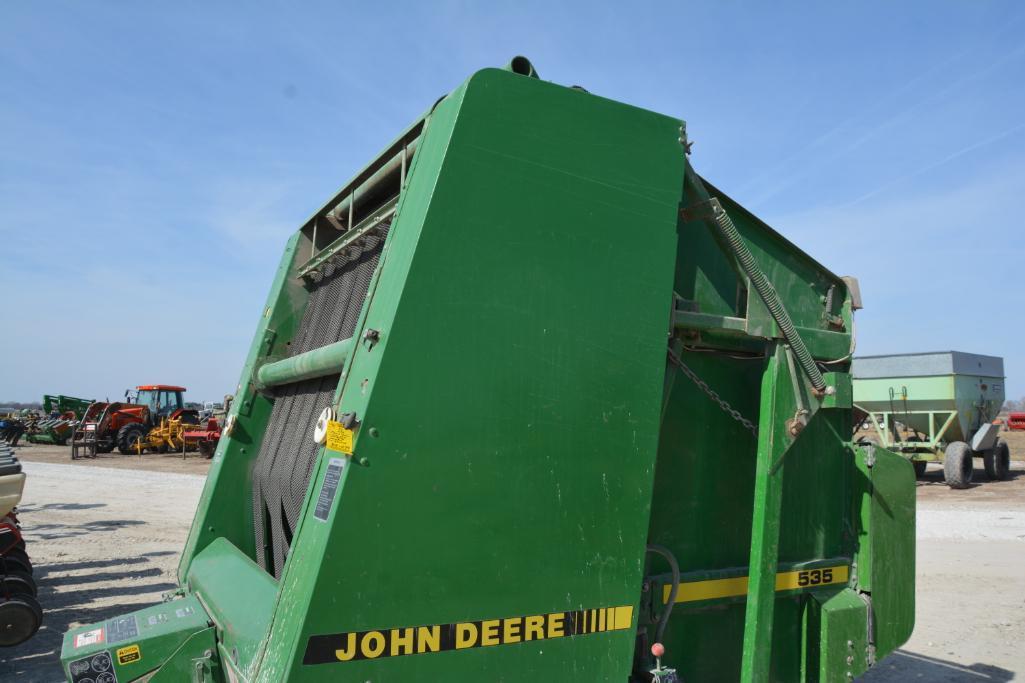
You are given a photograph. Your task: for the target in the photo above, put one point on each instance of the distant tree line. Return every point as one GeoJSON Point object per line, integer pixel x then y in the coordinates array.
{"type": "Point", "coordinates": [15, 405]}
{"type": "Point", "coordinates": [1012, 406]}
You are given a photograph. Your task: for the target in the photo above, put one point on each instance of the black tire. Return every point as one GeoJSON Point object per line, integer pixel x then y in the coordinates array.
{"type": "Point", "coordinates": [920, 466]}
{"type": "Point", "coordinates": [998, 461]}
{"type": "Point", "coordinates": [20, 618]}
{"type": "Point", "coordinates": [16, 559]}
{"type": "Point", "coordinates": [958, 465]}
{"type": "Point", "coordinates": [129, 436]}
{"type": "Point", "coordinates": [18, 582]}
{"type": "Point", "coordinates": [105, 445]}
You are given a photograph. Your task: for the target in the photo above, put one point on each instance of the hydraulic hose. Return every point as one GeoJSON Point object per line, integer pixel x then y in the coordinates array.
{"type": "Point", "coordinates": [674, 567]}
{"type": "Point", "coordinates": [768, 294]}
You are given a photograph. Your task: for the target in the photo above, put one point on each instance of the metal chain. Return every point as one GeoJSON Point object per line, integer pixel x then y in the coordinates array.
{"type": "Point", "coordinates": [723, 403]}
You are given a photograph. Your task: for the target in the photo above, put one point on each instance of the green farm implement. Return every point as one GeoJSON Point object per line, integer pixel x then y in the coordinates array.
{"type": "Point", "coordinates": [61, 415]}
{"type": "Point", "coordinates": [936, 407]}
{"type": "Point", "coordinates": [60, 405]}
{"type": "Point", "coordinates": [50, 430]}
{"type": "Point", "coordinates": [532, 401]}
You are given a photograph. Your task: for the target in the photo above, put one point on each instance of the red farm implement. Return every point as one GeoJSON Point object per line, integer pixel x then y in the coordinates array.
{"type": "Point", "coordinates": [1016, 422]}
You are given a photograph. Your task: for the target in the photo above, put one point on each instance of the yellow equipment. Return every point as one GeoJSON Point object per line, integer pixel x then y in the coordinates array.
{"type": "Point", "coordinates": [166, 436]}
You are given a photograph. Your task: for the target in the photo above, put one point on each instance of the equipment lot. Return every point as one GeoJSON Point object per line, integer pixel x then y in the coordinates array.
{"type": "Point", "coordinates": [105, 536]}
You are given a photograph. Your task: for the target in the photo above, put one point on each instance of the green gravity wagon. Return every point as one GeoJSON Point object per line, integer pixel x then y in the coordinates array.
{"type": "Point", "coordinates": [532, 401]}
{"type": "Point", "coordinates": [938, 406]}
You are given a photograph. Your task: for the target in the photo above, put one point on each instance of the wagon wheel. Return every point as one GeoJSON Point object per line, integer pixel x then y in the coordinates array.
{"type": "Point", "coordinates": [958, 465]}
{"type": "Point", "coordinates": [997, 461]}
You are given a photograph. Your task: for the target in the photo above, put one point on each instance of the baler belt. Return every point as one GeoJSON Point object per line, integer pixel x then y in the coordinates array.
{"type": "Point", "coordinates": [281, 473]}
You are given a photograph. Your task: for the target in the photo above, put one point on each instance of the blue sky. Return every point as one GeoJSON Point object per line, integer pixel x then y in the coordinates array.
{"type": "Point", "coordinates": [155, 158]}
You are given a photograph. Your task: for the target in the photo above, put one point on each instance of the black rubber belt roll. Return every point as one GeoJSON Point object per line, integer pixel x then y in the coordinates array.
{"type": "Point", "coordinates": [281, 472]}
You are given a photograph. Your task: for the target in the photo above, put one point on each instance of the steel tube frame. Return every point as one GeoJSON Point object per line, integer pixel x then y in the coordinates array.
{"type": "Point", "coordinates": [327, 360]}
{"type": "Point", "coordinates": [935, 435]}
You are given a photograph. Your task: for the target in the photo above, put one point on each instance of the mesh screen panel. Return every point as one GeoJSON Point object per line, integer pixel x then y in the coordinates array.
{"type": "Point", "coordinates": [288, 453]}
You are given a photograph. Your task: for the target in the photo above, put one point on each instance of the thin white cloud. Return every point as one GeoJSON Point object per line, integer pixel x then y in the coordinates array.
{"type": "Point", "coordinates": [945, 160]}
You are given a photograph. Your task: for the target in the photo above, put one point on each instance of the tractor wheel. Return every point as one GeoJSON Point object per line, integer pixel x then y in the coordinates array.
{"type": "Point", "coordinates": [206, 449]}
{"type": "Point", "coordinates": [920, 466]}
{"type": "Point", "coordinates": [105, 445]}
{"type": "Point", "coordinates": [958, 465]}
{"type": "Point", "coordinates": [16, 559]}
{"type": "Point", "coordinates": [128, 438]}
{"type": "Point", "coordinates": [17, 582]}
{"type": "Point", "coordinates": [998, 461]}
{"type": "Point", "coordinates": [20, 618]}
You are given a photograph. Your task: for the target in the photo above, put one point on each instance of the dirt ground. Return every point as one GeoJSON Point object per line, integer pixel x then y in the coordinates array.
{"type": "Point", "coordinates": [104, 538]}
{"type": "Point", "coordinates": [105, 535]}
{"type": "Point", "coordinates": [149, 462]}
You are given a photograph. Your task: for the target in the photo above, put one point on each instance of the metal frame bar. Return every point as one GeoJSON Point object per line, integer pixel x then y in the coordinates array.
{"type": "Point", "coordinates": [327, 360]}
{"type": "Point", "coordinates": [371, 222]}
{"type": "Point", "coordinates": [819, 341]}
{"type": "Point", "coordinates": [935, 436]}
{"type": "Point", "coordinates": [765, 523]}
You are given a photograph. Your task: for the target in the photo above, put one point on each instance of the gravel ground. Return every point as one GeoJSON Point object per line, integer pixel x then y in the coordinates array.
{"type": "Point", "coordinates": [970, 588]}
{"type": "Point", "coordinates": [105, 537]}
{"type": "Point", "coordinates": [103, 541]}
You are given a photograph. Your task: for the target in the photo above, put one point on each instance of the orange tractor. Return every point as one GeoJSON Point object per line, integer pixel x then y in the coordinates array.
{"type": "Point", "coordinates": [123, 425]}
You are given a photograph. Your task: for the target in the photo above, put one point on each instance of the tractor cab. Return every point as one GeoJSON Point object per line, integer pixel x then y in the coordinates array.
{"type": "Point", "coordinates": [161, 399]}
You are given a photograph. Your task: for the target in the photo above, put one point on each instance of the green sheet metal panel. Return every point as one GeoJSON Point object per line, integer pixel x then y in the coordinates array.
{"type": "Point", "coordinates": [885, 559]}
{"type": "Point", "coordinates": [134, 644]}
{"type": "Point", "coordinates": [504, 399]}
{"type": "Point", "coordinates": [838, 624]}
{"type": "Point", "coordinates": [239, 597]}
{"type": "Point", "coordinates": [702, 510]}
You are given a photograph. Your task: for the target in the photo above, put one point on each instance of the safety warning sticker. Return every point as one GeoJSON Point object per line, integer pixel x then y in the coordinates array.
{"type": "Point", "coordinates": [89, 638]}
{"type": "Point", "coordinates": [417, 640]}
{"type": "Point", "coordinates": [120, 629]}
{"type": "Point", "coordinates": [329, 488]}
{"type": "Point", "coordinates": [339, 439]}
{"type": "Point", "coordinates": [128, 655]}
{"type": "Point", "coordinates": [98, 668]}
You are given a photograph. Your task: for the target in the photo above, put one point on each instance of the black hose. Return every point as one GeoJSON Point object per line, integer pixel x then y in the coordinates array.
{"type": "Point", "coordinates": [674, 567]}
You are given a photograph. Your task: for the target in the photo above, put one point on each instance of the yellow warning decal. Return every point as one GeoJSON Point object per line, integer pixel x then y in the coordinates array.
{"type": "Point", "coordinates": [128, 655]}
{"type": "Point", "coordinates": [339, 439]}
{"type": "Point", "coordinates": [714, 589]}
{"type": "Point", "coordinates": [463, 635]}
